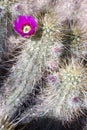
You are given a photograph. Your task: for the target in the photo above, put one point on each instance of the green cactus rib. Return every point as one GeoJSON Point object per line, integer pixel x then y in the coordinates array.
{"type": "Point", "coordinates": [64, 100]}
{"type": "Point", "coordinates": [30, 72]}
{"type": "Point", "coordinates": [28, 69]}
{"type": "Point", "coordinates": [72, 85]}
{"type": "Point", "coordinates": [58, 100]}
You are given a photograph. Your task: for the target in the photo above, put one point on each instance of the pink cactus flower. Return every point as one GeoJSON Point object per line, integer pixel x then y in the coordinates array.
{"type": "Point", "coordinates": [56, 50]}
{"type": "Point", "coordinates": [75, 99]}
{"type": "Point", "coordinates": [26, 26]}
{"type": "Point", "coordinates": [52, 79]}
{"type": "Point", "coordinates": [53, 65]}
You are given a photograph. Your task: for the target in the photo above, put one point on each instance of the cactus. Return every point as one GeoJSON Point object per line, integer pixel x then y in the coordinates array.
{"type": "Point", "coordinates": [63, 95]}
{"type": "Point", "coordinates": [49, 67]}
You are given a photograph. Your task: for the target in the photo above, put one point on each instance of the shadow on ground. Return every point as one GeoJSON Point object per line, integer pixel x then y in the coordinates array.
{"type": "Point", "coordinates": [52, 124]}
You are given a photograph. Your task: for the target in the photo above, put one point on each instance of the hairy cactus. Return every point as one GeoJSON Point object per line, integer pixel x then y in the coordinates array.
{"type": "Point", "coordinates": [48, 73]}
{"type": "Point", "coordinates": [63, 95]}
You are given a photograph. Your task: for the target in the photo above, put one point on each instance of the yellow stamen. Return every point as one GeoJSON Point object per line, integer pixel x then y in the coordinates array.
{"type": "Point", "coordinates": [26, 28]}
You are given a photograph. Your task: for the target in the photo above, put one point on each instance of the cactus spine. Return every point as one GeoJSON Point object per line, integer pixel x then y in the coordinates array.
{"type": "Point", "coordinates": [56, 54]}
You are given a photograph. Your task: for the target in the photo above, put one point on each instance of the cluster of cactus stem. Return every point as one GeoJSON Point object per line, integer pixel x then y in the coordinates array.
{"type": "Point", "coordinates": [54, 59]}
